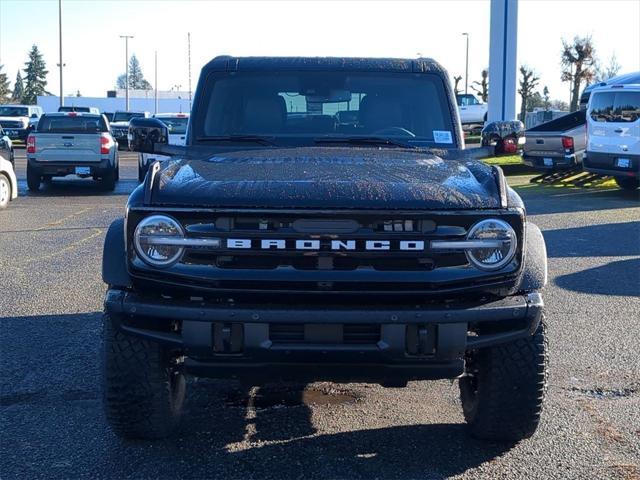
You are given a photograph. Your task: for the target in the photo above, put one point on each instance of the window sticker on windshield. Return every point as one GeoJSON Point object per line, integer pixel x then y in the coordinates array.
{"type": "Point", "coordinates": [442, 136]}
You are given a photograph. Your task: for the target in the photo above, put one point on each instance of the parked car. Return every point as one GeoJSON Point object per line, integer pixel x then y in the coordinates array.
{"type": "Point", "coordinates": [624, 79]}
{"type": "Point", "coordinates": [18, 120]}
{"type": "Point", "coordinates": [558, 144]}
{"type": "Point", "coordinates": [177, 126]}
{"type": "Point", "coordinates": [72, 143]}
{"type": "Point", "coordinates": [278, 244]}
{"type": "Point", "coordinates": [73, 108]}
{"type": "Point", "coordinates": [120, 125]}
{"type": "Point", "coordinates": [613, 134]}
{"type": "Point", "coordinates": [471, 109]}
{"type": "Point", "coordinates": [6, 146]}
{"type": "Point", "coordinates": [8, 181]}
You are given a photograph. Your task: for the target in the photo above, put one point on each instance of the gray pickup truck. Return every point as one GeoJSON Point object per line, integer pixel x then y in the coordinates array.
{"type": "Point", "coordinates": [72, 143]}
{"type": "Point", "coordinates": [558, 144]}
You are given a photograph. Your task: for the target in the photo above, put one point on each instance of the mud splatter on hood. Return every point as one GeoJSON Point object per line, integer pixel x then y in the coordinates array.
{"type": "Point", "coordinates": [327, 177]}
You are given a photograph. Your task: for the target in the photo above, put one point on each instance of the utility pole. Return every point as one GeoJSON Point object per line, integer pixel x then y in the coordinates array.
{"type": "Point", "coordinates": [155, 82]}
{"type": "Point", "coordinates": [466, 71]}
{"type": "Point", "coordinates": [189, 58]}
{"type": "Point", "coordinates": [126, 71]}
{"type": "Point", "coordinates": [60, 46]}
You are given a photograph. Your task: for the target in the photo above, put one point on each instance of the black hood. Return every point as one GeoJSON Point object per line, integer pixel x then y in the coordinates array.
{"type": "Point", "coordinates": [327, 177]}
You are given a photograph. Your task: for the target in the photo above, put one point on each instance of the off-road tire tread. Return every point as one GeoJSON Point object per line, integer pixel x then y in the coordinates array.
{"type": "Point", "coordinates": [628, 183]}
{"type": "Point", "coordinates": [136, 386]}
{"type": "Point", "coordinates": [511, 391]}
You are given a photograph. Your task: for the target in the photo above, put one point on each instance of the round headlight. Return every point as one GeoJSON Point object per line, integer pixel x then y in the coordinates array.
{"type": "Point", "coordinates": [157, 240]}
{"type": "Point", "coordinates": [501, 242]}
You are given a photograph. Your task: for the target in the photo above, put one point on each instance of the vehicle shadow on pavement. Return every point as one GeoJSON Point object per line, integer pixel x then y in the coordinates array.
{"type": "Point", "coordinates": [604, 240]}
{"type": "Point", "coordinates": [615, 278]}
{"type": "Point", "coordinates": [77, 187]}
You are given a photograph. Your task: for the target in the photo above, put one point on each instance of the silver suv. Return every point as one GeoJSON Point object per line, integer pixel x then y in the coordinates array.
{"type": "Point", "coordinates": [72, 143]}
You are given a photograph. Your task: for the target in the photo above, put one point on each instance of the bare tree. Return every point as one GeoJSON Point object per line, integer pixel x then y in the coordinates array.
{"type": "Point", "coordinates": [602, 74]}
{"type": "Point", "coordinates": [545, 97]}
{"type": "Point", "coordinates": [578, 65]}
{"type": "Point", "coordinates": [482, 86]}
{"type": "Point", "coordinates": [456, 81]}
{"type": "Point", "coordinates": [528, 84]}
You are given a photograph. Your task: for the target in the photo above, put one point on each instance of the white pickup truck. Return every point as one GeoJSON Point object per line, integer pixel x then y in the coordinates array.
{"type": "Point", "coordinates": [471, 109]}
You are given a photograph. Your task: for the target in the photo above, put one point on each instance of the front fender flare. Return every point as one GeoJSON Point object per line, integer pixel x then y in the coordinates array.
{"type": "Point", "coordinates": [114, 257]}
{"type": "Point", "coordinates": [534, 275]}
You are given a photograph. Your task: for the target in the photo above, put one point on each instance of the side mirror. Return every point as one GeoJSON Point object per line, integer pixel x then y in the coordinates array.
{"type": "Point", "coordinates": [34, 115]}
{"type": "Point", "coordinates": [505, 137]}
{"type": "Point", "coordinates": [146, 133]}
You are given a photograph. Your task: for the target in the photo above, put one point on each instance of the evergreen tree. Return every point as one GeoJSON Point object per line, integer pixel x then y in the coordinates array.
{"type": "Point", "coordinates": [35, 77]}
{"type": "Point", "coordinates": [5, 92]}
{"type": "Point", "coordinates": [18, 89]}
{"type": "Point", "coordinates": [136, 77]}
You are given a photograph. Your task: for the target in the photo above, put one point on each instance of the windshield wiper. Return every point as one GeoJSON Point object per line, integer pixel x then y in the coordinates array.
{"type": "Point", "coordinates": [381, 141]}
{"type": "Point", "coordinates": [238, 139]}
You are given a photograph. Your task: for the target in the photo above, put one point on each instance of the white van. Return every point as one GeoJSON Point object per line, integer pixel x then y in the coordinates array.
{"type": "Point", "coordinates": [613, 134]}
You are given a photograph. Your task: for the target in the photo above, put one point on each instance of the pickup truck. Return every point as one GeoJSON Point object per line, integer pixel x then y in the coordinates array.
{"type": "Point", "coordinates": [556, 145]}
{"type": "Point", "coordinates": [472, 110]}
{"type": "Point", "coordinates": [72, 143]}
{"type": "Point", "coordinates": [19, 120]}
{"type": "Point", "coordinates": [284, 242]}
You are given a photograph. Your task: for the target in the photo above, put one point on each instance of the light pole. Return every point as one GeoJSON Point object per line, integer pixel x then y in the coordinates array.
{"type": "Point", "coordinates": [126, 70]}
{"type": "Point", "coordinates": [466, 71]}
{"type": "Point", "coordinates": [60, 45]}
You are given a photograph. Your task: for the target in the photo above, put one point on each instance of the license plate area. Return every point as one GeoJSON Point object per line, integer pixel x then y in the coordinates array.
{"type": "Point", "coordinates": [548, 162]}
{"type": "Point", "coordinates": [83, 170]}
{"type": "Point", "coordinates": [623, 162]}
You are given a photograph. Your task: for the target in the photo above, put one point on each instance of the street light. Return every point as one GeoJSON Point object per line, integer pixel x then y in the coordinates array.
{"type": "Point", "coordinates": [466, 71]}
{"type": "Point", "coordinates": [60, 45]}
{"type": "Point", "coordinates": [126, 70]}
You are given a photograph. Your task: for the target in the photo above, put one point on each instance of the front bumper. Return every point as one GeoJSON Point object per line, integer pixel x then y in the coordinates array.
{"type": "Point", "coordinates": [246, 341]}
{"type": "Point", "coordinates": [608, 164]}
{"type": "Point", "coordinates": [18, 136]}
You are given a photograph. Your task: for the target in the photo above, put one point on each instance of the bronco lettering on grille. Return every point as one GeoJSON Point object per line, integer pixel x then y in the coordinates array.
{"type": "Point", "coordinates": [335, 245]}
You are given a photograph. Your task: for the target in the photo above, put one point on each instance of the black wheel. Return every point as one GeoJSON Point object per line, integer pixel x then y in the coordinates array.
{"type": "Point", "coordinates": [628, 183]}
{"type": "Point", "coordinates": [504, 388]}
{"type": "Point", "coordinates": [143, 389]}
{"type": "Point", "coordinates": [34, 179]}
{"type": "Point", "coordinates": [108, 180]}
{"type": "Point", "coordinates": [5, 191]}
{"type": "Point", "coordinates": [142, 172]}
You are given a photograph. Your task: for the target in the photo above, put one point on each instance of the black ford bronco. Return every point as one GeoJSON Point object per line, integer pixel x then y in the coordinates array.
{"type": "Point", "coordinates": [323, 222]}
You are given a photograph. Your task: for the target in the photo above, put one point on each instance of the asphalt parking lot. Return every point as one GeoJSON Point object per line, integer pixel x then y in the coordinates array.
{"type": "Point", "coordinates": [52, 426]}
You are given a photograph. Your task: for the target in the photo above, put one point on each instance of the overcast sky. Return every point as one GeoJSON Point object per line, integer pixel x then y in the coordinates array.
{"type": "Point", "coordinates": [94, 54]}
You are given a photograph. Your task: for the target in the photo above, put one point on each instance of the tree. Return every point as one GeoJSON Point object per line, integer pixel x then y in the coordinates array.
{"type": "Point", "coordinates": [483, 91]}
{"type": "Point", "coordinates": [136, 78]}
{"type": "Point", "coordinates": [602, 74]}
{"type": "Point", "coordinates": [35, 77]}
{"type": "Point", "coordinates": [578, 61]}
{"type": "Point", "coordinates": [5, 91]}
{"type": "Point", "coordinates": [18, 89]}
{"type": "Point", "coordinates": [528, 84]}
{"type": "Point", "coordinates": [545, 96]}
{"type": "Point", "coordinates": [559, 105]}
{"type": "Point", "coordinates": [456, 81]}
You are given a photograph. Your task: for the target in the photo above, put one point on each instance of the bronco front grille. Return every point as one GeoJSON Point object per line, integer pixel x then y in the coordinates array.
{"type": "Point", "coordinates": [11, 124]}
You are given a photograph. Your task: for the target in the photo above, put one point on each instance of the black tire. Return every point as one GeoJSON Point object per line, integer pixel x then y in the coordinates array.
{"type": "Point", "coordinates": [503, 391]}
{"type": "Point", "coordinates": [108, 180]}
{"type": "Point", "coordinates": [143, 392]}
{"type": "Point", "coordinates": [34, 179]}
{"type": "Point", "coordinates": [117, 170]}
{"type": "Point", "coordinates": [5, 191]}
{"type": "Point", "coordinates": [628, 183]}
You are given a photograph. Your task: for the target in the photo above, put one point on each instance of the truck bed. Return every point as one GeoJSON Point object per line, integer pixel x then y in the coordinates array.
{"type": "Point", "coordinates": [545, 148]}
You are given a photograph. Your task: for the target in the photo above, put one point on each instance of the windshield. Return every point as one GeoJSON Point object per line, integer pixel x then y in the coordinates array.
{"type": "Point", "coordinates": [72, 124]}
{"type": "Point", "coordinates": [619, 107]}
{"type": "Point", "coordinates": [126, 116]}
{"type": "Point", "coordinates": [176, 125]}
{"type": "Point", "coordinates": [14, 112]}
{"type": "Point", "coordinates": [308, 106]}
